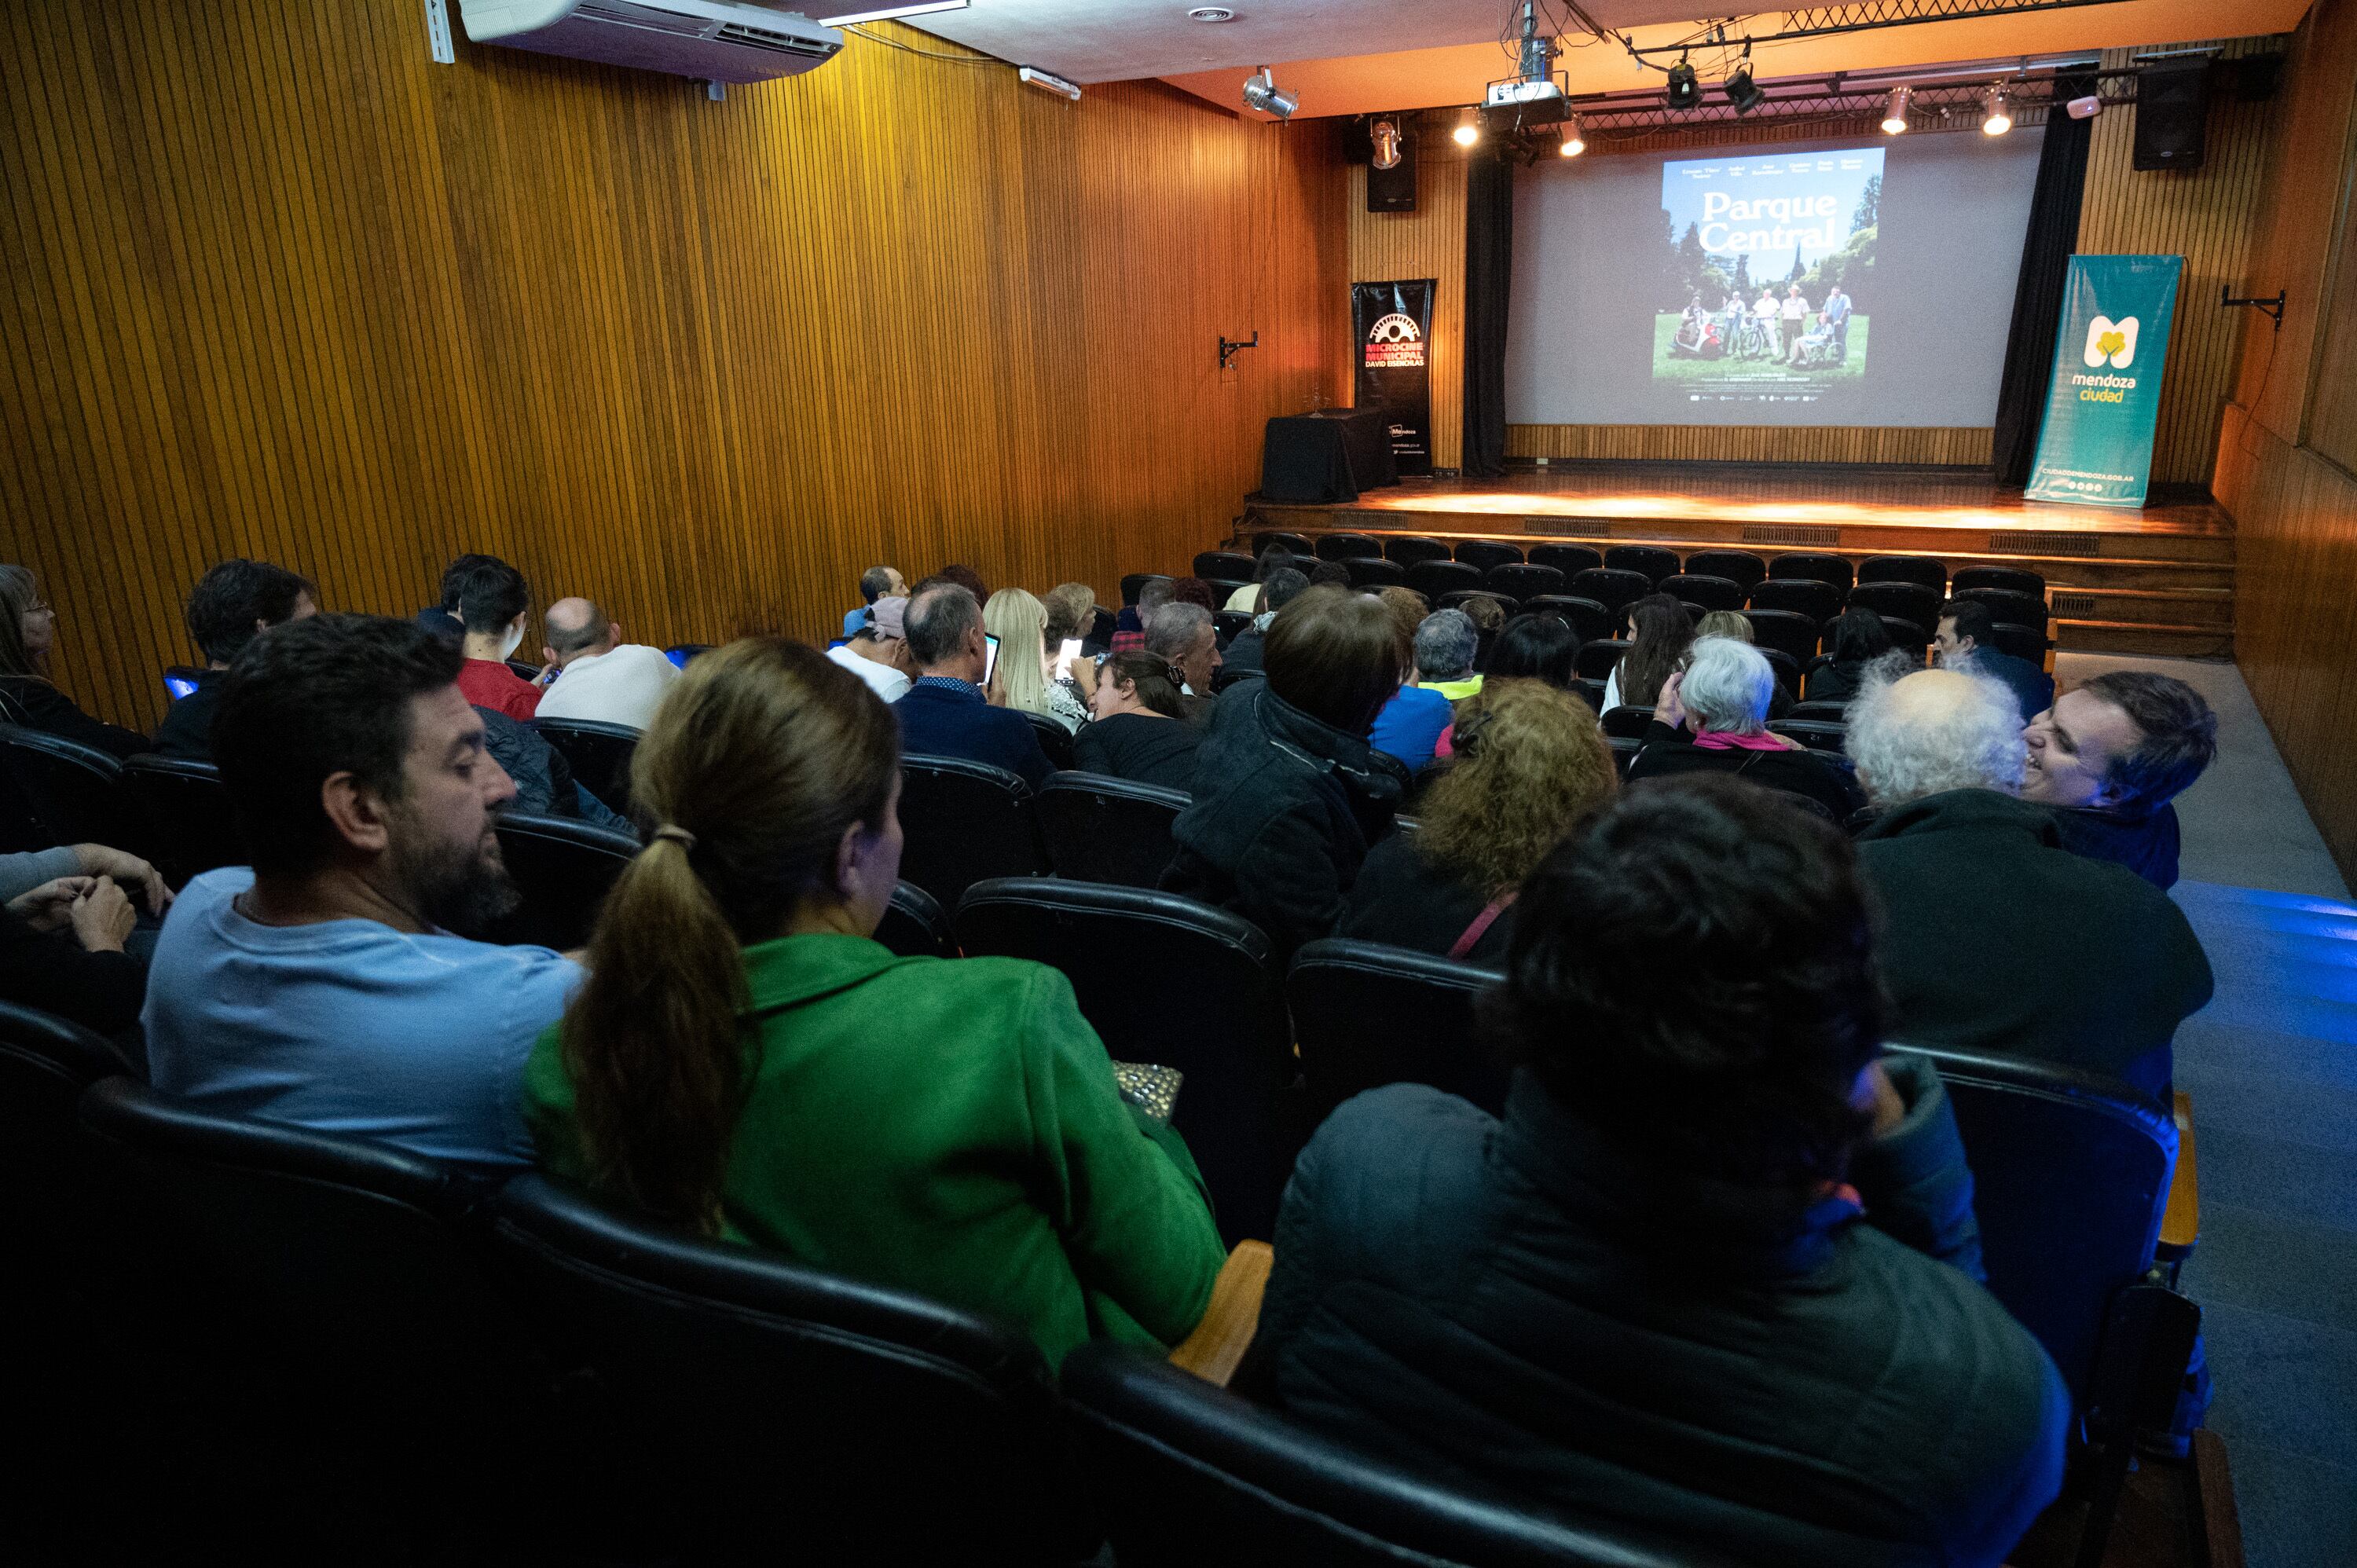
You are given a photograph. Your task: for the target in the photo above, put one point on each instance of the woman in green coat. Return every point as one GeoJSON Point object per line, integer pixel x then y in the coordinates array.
{"type": "Point", "coordinates": [746, 1060]}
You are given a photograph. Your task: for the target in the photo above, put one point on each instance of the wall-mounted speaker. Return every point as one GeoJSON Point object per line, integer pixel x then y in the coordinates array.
{"type": "Point", "coordinates": [1392, 189]}
{"type": "Point", "coordinates": [2173, 114]}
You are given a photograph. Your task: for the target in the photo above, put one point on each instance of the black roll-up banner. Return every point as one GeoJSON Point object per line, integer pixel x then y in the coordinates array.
{"type": "Point", "coordinates": [1393, 322]}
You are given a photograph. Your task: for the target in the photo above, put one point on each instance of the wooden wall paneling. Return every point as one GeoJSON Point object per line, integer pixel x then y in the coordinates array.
{"type": "Point", "coordinates": [1961, 446]}
{"type": "Point", "coordinates": [279, 285]}
{"type": "Point", "coordinates": [1429, 243]}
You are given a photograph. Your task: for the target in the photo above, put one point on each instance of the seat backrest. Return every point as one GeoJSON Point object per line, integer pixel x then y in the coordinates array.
{"type": "Point", "coordinates": [1628, 721]}
{"type": "Point", "coordinates": [766, 1411]}
{"type": "Point", "coordinates": [2070, 1177]}
{"type": "Point", "coordinates": [1928, 571]}
{"type": "Point", "coordinates": [1589, 691]}
{"type": "Point", "coordinates": [1828, 711]}
{"type": "Point", "coordinates": [1101, 829]}
{"type": "Point", "coordinates": [1520, 579]}
{"type": "Point", "coordinates": [1366, 1014]}
{"type": "Point", "coordinates": [1740, 567]}
{"type": "Point", "coordinates": [1910, 637]}
{"type": "Point", "coordinates": [2010, 579]}
{"type": "Point", "coordinates": [1597, 660]}
{"type": "Point", "coordinates": [1590, 621]}
{"type": "Point", "coordinates": [1568, 559]}
{"type": "Point", "coordinates": [1803, 596]}
{"type": "Point", "coordinates": [1833, 569]}
{"type": "Point", "coordinates": [1231, 625]}
{"type": "Point", "coordinates": [62, 792]}
{"type": "Point", "coordinates": [2015, 609]}
{"type": "Point", "coordinates": [1433, 578]}
{"type": "Point", "coordinates": [1700, 588]}
{"type": "Point", "coordinates": [192, 827]}
{"type": "Point", "coordinates": [1299, 544]}
{"type": "Point", "coordinates": [1374, 572]}
{"type": "Point", "coordinates": [915, 924]}
{"type": "Point", "coordinates": [1408, 550]}
{"type": "Point", "coordinates": [1347, 546]}
{"type": "Point", "coordinates": [1624, 752]}
{"type": "Point", "coordinates": [1232, 564]}
{"type": "Point", "coordinates": [2021, 641]}
{"type": "Point", "coordinates": [1053, 738]}
{"type": "Point", "coordinates": [1166, 980]}
{"type": "Point", "coordinates": [1613, 588]}
{"type": "Point", "coordinates": [1817, 734]}
{"type": "Point", "coordinates": [1455, 600]}
{"type": "Point", "coordinates": [965, 822]}
{"type": "Point", "coordinates": [1787, 669]}
{"type": "Point", "coordinates": [1908, 601]}
{"type": "Point", "coordinates": [564, 868]}
{"type": "Point", "coordinates": [1134, 584]}
{"type": "Point", "coordinates": [46, 1197]}
{"type": "Point", "coordinates": [1193, 1474]}
{"type": "Point", "coordinates": [1793, 634]}
{"type": "Point", "coordinates": [1485, 554]}
{"type": "Point", "coordinates": [1652, 560]}
{"type": "Point", "coordinates": [598, 754]}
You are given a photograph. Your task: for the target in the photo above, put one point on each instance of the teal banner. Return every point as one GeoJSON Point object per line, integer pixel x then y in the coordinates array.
{"type": "Point", "coordinates": [2096, 443]}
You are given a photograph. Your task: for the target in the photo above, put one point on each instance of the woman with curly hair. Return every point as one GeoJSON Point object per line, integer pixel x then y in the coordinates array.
{"type": "Point", "coordinates": [1530, 764]}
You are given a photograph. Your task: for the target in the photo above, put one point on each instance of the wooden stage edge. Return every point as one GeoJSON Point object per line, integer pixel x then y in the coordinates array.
{"type": "Point", "coordinates": [2156, 580]}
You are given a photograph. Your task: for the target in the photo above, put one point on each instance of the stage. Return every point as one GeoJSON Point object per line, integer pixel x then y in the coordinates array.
{"type": "Point", "coordinates": [2159, 580]}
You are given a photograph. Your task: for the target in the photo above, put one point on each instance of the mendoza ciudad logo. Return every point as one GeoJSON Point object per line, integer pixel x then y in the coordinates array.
{"type": "Point", "coordinates": [2112, 343]}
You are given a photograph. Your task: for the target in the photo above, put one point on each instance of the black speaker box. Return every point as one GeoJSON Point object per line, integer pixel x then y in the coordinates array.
{"type": "Point", "coordinates": [2171, 115]}
{"type": "Point", "coordinates": [1394, 189]}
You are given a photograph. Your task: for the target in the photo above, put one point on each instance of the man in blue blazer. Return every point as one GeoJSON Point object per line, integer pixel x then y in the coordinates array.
{"type": "Point", "coordinates": [944, 714]}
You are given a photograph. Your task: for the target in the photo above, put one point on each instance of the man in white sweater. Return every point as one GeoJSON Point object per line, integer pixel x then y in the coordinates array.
{"type": "Point", "coordinates": [599, 676]}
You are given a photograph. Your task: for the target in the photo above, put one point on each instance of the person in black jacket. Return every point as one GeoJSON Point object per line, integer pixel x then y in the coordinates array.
{"type": "Point", "coordinates": [1967, 641]}
{"type": "Point", "coordinates": [1281, 588]}
{"type": "Point", "coordinates": [1854, 640]}
{"type": "Point", "coordinates": [2110, 756]}
{"type": "Point", "coordinates": [231, 604]}
{"type": "Point", "coordinates": [1998, 938]}
{"type": "Point", "coordinates": [1724, 694]}
{"type": "Point", "coordinates": [1715, 1271]}
{"type": "Point", "coordinates": [1138, 731]}
{"type": "Point", "coordinates": [1288, 794]}
{"type": "Point", "coordinates": [944, 713]}
{"type": "Point", "coordinates": [27, 628]}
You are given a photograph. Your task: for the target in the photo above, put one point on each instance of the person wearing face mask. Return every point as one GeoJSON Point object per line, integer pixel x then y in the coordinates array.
{"type": "Point", "coordinates": [494, 605]}
{"type": "Point", "coordinates": [2109, 757]}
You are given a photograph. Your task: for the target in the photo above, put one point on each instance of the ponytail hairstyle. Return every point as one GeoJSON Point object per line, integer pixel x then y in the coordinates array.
{"type": "Point", "coordinates": [1156, 680]}
{"type": "Point", "coordinates": [756, 764]}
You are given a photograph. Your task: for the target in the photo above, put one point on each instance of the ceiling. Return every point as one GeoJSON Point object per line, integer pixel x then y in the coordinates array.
{"type": "Point", "coordinates": [1357, 57]}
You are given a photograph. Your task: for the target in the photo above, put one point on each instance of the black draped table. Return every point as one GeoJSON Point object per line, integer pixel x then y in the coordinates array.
{"type": "Point", "coordinates": [1329, 456]}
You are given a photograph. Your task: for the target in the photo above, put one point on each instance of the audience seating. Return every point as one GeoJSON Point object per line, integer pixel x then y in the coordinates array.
{"type": "Point", "coordinates": [1225, 588]}
{"type": "Point", "coordinates": [563, 867]}
{"type": "Point", "coordinates": [1212, 564]}
{"type": "Point", "coordinates": [1347, 546]}
{"type": "Point", "coordinates": [1787, 669]}
{"type": "Point", "coordinates": [1908, 601]}
{"type": "Point", "coordinates": [1817, 734]}
{"type": "Point", "coordinates": [1792, 634]}
{"type": "Point", "coordinates": [1626, 720]}
{"type": "Point", "coordinates": [1624, 752]}
{"type": "Point", "coordinates": [1521, 580]}
{"type": "Point", "coordinates": [1374, 572]}
{"type": "Point", "coordinates": [2007, 579]}
{"type": "Point", "coordinates": [1709, 593]}
{"type": "Point", "coordinates": [50, 1218]}
{"type": "Point", "coordinates": [1455, 600]}
{"type": "Point", "coordinates": [1191, 1473]}
{"type": "Point", "coordinates": [1366, 1014]}
{"type": "Point", "coordinates": [1166, 980]}
{"type": "Point", "coordinates": [1589, 691]}
{"type": "Point", "coordinates": [2021, 641]}
{"type": "Point", "coordinates": [763, 1411]}
{"type": "Point", "coordinates": [1599, 658]}
{"type": "Point", "coordinates": [1570, 560]}
{"type": "Point", "coordinates": [1134, 584]}
{"type": "Point", "coordinates": [1229, 624]}
{"type": "Point", "coordinates": [179, 680]}
{"type": "Point", "coordinates": [1910, 637]}
{"type": "Point", "coordinates": [192, 827]}
{"type": "Point", "coordinates": [1824, 712]}
{"type": "Point", "coordinates": [1053, 737]}
{"type": "Point", "coordinates": [1650, 560]}
{"type": "Point", "coordinates": [1590, 621]}
{"type": "Point", "coordinates": [1802, 595]}
{"type": "Point", "coordinates": [1740, 567]}
{"type": "Point", "coordinates": [598, 754]}
{"type": "Point", "coordinates": [681, 654]}
{"type": "Point", "coordinates": [1926, 571]}
{"type": "Point", "coordinates": [965, 822]}
{"type": "Point", "coordinates": [1297, 544]}
{"type": "Point", "coordinates": [1433, 578]}
{"type": "Point", "coordinates": [1487, 554]}
{"type": "Point", "coordinates": [1407, 552]}
{"type": "Point", "coordinates": [54, 790]}
{"type": "Point", "coordinates": [1613, 588]}
{"type": "Point", "coordinates": [915, 924]}
{"type": "Point", "coordinates": [1833, 569]}
{"type": "Point", "coordinates": [2008, 608]}
{"type": "Point", "coordinates": [1101, 829]}
{"type": "Point", "coordinates": [1227, 675]}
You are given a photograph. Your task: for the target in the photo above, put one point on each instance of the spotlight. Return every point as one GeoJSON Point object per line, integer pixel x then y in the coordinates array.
{"type": "Point", "coordinates": [1386, 137]}
{"type": "Point", "coordinates": [1742, 92]}
{"type": "Point", "coordinates": [1894, 111]}
{"type": "Point", "coordinates": [1468, 128]}
{"type": "Point", "coordinates": [1573, 144]}
{"type": "Point", "coordinates": [1684, 91]}
{"type": "Point", "coordinates": [1262, 93]}
{"type": "Point", "coordinates": [1996, 119]}
{"type": "Point", "coordinates": [2085, 108]}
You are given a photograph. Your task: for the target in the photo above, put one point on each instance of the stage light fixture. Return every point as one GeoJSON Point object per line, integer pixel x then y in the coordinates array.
{"type": "Point", "coordinates": [1684, 91]}
{"type": "Point", "coordinates": [2085, 108]}
{"type": "Point", "coordinates": [1894, 111]}
{"type": "Point", "coordinates": [1996, 119]}
{"type": "Point", "coordinates": [1742, 92]}
{"type": "Point", "coordinates": [1385, 135]}
{"type": "Point", "coordinates": [1468, 128]}
{"type": "Point", "coordinates": [1262, 93]}
{"type": "Point", "coordinates": [1573, 144]}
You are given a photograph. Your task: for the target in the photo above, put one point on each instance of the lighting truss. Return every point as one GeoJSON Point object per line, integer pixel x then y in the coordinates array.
{"type": "Point", "coordinates": [1864, 15]}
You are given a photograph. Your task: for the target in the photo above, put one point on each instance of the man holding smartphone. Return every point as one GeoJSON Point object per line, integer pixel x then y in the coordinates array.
{"type": "Point", "coordinates": [944, 713]}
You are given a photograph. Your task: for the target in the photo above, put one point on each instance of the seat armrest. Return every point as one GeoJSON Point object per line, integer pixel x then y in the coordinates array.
{"type": "Point", "coordinates": [2180, 1222]}
{"type": "Point", "coordinates": [1220, 1341]}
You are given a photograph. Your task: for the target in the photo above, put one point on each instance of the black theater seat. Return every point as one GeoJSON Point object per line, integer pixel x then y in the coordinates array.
{"type": "Point", "coordinates": [598, 754]}
{"type": "Point", "coordinates": [1568, 559]}
{"type": "Point", "coordinates": [915, 924]}
{"type": "Point", "coordinates": [1807, 597]}
{"type": "Point", "coordinates": [1366, 1014]}
{"type": "Point", "coordinates": [1487, 554]}
{"type": "Point", "coordinates": [191, 826]}
{"type": "Point", "coordinates": [1408, 550]}
{"type": "Point", "coordinates": [1433, 578]}
{"type": "Point", "coordinates": [54, 791]}
{"type": "Point", "coordinates": [965, 822]}
{"type": "Point", "coordinates": [564, 868]}
{"type": "Point", "coordinates": [1652, 561]}
{"type": "Point", "coordinates": [1100, 829]}
{"type": "Point", "coordinates": [1612, 587]}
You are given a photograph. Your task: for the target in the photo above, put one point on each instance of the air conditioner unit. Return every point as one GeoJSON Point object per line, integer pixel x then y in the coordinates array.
{"type": "Point", "coordinates": [711, 40]}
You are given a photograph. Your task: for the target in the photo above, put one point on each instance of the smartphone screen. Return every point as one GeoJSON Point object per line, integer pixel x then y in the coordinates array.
{"type": "Point", "coordinates": [1065, 655]}
{"type": "Point", "coordinates": [989, 656]}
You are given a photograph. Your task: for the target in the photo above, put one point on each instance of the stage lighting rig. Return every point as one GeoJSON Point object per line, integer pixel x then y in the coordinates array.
{"type": "Point", "coordinates": [1684, 91]}
{"type": "Point", "coordinates": [1468, 129]}
{"type": "Point", "coordinates": [1262, 93]}
{"type": "Point", "coordinates": [1894, 111]}
{"type": "Point", "coordinates": [1385, 135]}
{"type": "Point", "coordinates": [1742, 92]}
{"type": "Point", "coordinates": [1996, 118]}
{"type": "Point", "coordinates": [1573, 142]}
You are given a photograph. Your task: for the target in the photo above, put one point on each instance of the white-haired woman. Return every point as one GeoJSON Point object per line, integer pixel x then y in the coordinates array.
{"type": "Point", "coordinates": [1712, 717]}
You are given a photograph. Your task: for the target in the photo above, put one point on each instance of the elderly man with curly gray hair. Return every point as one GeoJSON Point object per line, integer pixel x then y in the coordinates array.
{"type": "Point", "coordinates": [1996, 938]}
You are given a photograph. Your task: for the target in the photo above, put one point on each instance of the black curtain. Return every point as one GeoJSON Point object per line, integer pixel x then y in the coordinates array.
{"type": "Point", "coordinates": [2037, 295]}
{"type": "Point", "coordinates": [1488, 277]}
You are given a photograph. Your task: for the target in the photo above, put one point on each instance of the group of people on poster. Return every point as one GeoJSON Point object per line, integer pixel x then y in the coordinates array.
{"type": "Point", "coordinates": [1781, 327]}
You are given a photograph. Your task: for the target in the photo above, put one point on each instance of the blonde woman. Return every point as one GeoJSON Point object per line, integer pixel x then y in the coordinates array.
{"type": "Point", "coordinates": [1025, 676]}
{"type": "Point", "coordinates": [1530, 764]}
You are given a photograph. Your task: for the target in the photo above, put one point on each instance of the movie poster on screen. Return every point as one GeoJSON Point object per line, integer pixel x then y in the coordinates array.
{"type": "Point", "coordinates": [2095, 445]}
{"type": "Point", "coordinates": [1393, 323]}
